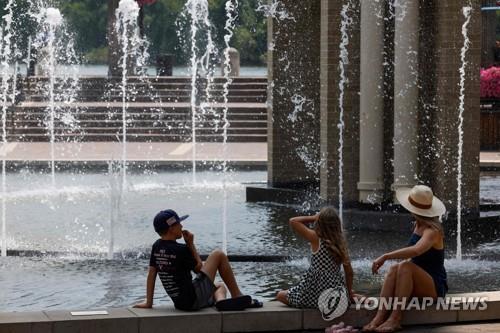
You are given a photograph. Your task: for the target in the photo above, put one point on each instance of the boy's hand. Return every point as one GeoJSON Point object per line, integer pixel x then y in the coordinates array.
{"type": "Point", "coordinates": [188, 237]}
{"type": "Point", "coordinates": [143, 306]}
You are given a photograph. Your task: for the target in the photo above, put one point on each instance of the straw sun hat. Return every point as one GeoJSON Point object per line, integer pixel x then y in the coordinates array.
{"type": "Point", "coordinates": [421, 201]}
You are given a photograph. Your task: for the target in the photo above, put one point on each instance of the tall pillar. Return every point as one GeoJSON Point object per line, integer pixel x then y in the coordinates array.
{"type": "Point", "coordinates": [371, 164]}
{"type": "Point", "coordinates": [406, 91]}
{"type": "Point", "coordinates": [293, 104]}
{"type": "Point", "coordinates": [331, 40]}
{"type": "Point", "coordinates": [440, 61]}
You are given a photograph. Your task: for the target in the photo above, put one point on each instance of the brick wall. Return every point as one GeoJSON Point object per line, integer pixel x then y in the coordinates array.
{"type": "Point", "coordinates": [293, 134]}
{"type": "Point", "coordinates": [330, 111]}
{"type": "Point", "coordinates": [440, 62]}
{"type": "Point", "coordinates": [440, 45]}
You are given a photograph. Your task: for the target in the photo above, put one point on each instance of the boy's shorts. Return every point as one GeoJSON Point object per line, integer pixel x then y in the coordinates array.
{"type": "Point", "coordinates": [204, 289]}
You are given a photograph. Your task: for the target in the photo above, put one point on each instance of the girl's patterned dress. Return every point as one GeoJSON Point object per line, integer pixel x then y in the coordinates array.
{"type": "Point", "coordinates": [323, 274]}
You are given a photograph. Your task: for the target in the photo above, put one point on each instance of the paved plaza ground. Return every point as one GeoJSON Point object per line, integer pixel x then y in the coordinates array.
{"type": "Point", "coordinates": [255, 152]}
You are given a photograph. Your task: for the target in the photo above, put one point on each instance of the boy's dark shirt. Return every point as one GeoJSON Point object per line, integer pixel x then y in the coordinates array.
{"type": "Point", "coordinates": [174, 263]}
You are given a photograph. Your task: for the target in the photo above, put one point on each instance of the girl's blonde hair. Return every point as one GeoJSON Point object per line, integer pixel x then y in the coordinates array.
{"type": "Point", "coordinates": [329, 228]}
{"type": "Point", "coordinates": [431, 222]}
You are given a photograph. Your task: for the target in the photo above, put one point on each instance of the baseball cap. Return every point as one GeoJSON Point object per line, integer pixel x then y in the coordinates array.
{"type": "Point", "coordinates": [167, 218]}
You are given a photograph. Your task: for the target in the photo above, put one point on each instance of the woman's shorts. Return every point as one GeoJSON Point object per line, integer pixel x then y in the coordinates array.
{"type": "Point", "coordinates": [204, 289]}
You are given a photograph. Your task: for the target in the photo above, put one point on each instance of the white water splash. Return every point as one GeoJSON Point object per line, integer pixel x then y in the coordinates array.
{"type": "Point", "coordinates": [116, 195]}
{"type": "Point", "coordinates": [298, 102]}
{"type": "Point", "coordinates": [133, 49]}
{"type": "Point", "coordinates": [54, 44]}
{"type": "Point", "coordinates": [197, 10]}
{"type": "Point", "coordinates": [54, 17]}
{"type": "Point", "coordinates": [275, 10]}
{"type": "Point", "coordinates": [343, 62]}
{"type": "Point", "coordinates": [466, 11]}
{"type": "Point", "coordinates": [231, 15]}
{"type": "Point", "coordinates": [5, 57]}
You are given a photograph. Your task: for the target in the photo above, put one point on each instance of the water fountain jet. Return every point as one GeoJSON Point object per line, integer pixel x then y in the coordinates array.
{"type": "Point", "coordinates": [466, 11]}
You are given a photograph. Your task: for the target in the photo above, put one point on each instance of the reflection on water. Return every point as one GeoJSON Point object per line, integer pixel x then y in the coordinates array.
{"type": "Point", "coordinates": [75, 219]}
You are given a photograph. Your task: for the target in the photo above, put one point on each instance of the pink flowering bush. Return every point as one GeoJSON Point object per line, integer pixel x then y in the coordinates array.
{"type": "Point", "coordinates": [490, 82]}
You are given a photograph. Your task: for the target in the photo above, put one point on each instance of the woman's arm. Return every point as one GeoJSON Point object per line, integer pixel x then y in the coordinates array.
{"type": "Point", "coordinates": [298, 224]}
{"type": "Point", "coordinates": [427, 240]}
{"type": "Point", "coordinates": [349, 277]}
{"type": "Point", "coordinates": [150, 289]}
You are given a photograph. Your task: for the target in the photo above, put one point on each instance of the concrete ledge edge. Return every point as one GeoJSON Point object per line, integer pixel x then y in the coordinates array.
{"type": "Point", "coordinates": [272, 317]}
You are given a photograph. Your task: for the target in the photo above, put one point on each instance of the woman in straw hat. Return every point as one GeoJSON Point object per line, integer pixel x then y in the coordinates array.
{"type": "Point", "coordinates": [423, 273]}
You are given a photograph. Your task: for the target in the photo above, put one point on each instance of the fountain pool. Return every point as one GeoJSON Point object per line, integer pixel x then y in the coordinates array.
{"type": "Point", "coordinates": [58, 239]}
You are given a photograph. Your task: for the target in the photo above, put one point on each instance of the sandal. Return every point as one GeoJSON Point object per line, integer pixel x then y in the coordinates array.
{"type": "Point", "coordinates": [234, 304]}
{"type": "Point", "coordinates": [255, 304]}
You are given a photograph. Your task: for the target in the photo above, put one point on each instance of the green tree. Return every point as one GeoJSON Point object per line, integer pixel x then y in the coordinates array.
{"type": "Point", "coordinates": [87, 19]}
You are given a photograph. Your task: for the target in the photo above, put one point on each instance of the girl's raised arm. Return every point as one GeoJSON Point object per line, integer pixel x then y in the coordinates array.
{"type": "Point", "coordinates": [298, 224]}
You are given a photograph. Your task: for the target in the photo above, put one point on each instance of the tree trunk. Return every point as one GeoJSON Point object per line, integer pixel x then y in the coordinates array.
{"type": "Point", "coordinates": [113, 46]}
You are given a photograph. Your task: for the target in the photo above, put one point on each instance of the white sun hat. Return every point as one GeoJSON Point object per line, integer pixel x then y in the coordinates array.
{"type": "Point", "coordinates": [421, 201]}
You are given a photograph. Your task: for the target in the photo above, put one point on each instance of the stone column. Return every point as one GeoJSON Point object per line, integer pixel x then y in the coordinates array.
{"type": "Point", "coordinates": [371, 166]}
{"type": "Point", "coordinates": [331, 21]}
{"type": "Point", "coordinates": [406, 46]}
{"type": "Point", "coordinates": [294, 86]}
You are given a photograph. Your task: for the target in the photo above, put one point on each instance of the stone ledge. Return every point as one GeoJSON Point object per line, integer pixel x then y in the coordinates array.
{"type": "Point", "coordinates": [273, 317]}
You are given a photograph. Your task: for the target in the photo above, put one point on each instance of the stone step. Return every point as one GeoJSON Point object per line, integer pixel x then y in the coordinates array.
{"type": "Point", "coordinates": [142, 123]}
{"type": "Point", "coordinates": [161, 79]}
{"type": "Point", "coordinates": [91, 137]}
{"type": "Point", "coordinates": [133, 106]}
{"type": "Point", "coordinates": [181, 116]}
{"type": "Point", "coordinates": [217, 89]}
{"type": "Point", "coordinates": [84, 86]}
{"type": "Point", "coordinates": [152, 98]}
{"type": "Point", "coordinates": [139, 130]}
{"type": "Point", "coordinates": [273, 317]}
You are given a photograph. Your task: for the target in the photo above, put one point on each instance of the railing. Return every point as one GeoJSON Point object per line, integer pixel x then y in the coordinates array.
{"type": "Point", "coordinates": [490, 124]}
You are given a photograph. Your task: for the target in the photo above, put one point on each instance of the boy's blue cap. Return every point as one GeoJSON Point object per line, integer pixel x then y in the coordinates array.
{"type": "Point", "coordinates": [167, 218]}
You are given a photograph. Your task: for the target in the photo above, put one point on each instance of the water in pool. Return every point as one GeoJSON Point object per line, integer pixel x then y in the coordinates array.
{"type": "Point", "coordinates": [60, 240]}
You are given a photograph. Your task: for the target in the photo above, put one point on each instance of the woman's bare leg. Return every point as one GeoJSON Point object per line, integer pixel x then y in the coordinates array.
{"type": "Point", "coordinates": [282, 296]}
{"type": "Point", "coordinates": [412, 281]}
{"type": "Point", "coordinates": [217, 262]}
{"type": "Point", "coordinates": [388, 290]}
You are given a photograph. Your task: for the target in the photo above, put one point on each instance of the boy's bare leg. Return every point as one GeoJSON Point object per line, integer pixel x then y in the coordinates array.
{"type": "Point", "coordinates": [221, 292]}
{"type": "Point", "coordinates": [217, 262]}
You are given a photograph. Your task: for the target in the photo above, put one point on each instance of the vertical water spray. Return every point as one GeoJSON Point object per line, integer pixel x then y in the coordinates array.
{"type": "Point", "coordinates": [127, 30]}
{"type": "Point", "coordinates": [116, 194]}
{"type": "Point", "coordinates": [466, 11]}
{"type": "Point", "coordinates": [5, 57]}
{"type": "Point", "coordinates": [53, 19]}
{"type": "Point", "coordinates": [231, 15]}
{"type": "Point", "coordinates": [343, 62]}
{"type": "Point", "coordinates": [198, 14]}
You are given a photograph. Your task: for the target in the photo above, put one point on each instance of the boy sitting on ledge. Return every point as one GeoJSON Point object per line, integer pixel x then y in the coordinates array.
{"type": "Point", "coordinates": [174, 263]}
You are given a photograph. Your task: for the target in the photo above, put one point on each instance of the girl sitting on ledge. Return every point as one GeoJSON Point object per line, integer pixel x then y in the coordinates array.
{"type": "Point", "coordinates": [329, 252]}
{"type": "Point", "coordinates": [423, 275]}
